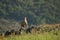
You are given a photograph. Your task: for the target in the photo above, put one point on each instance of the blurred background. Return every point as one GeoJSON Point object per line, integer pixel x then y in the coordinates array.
{"type": "Point", "coordinates": [37, 12]}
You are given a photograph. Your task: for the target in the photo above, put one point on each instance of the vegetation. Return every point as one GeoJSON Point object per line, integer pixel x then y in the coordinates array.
{"type": "Point", "coordinates": [36, 11]}
{"type": "Point", "coordinates": [41, 36]}
{"type": "Point", "coordinates": [44, 34]}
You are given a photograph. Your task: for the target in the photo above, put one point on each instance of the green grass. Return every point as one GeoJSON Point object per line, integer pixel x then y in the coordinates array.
{"type": "Point", "coordinates": [42, 36]}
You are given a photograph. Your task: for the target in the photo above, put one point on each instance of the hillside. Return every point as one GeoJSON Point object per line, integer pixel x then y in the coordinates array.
{"type": "Point", "coordinates": [8, 25]}
{"type": "Point", "coordinates": [36, 11]}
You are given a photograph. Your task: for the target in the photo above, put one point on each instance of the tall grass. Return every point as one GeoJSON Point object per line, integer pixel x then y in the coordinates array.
{"type": "Point", "coordinates": [45, 34]}
{"type": "Point", "coordinates": [41, 36]}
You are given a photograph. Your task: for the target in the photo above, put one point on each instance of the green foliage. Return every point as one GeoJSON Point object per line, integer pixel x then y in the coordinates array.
{"type": "Point", "coordinates": [42, 36]}
{"type": "Point", "coordinates": [37, 11]}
